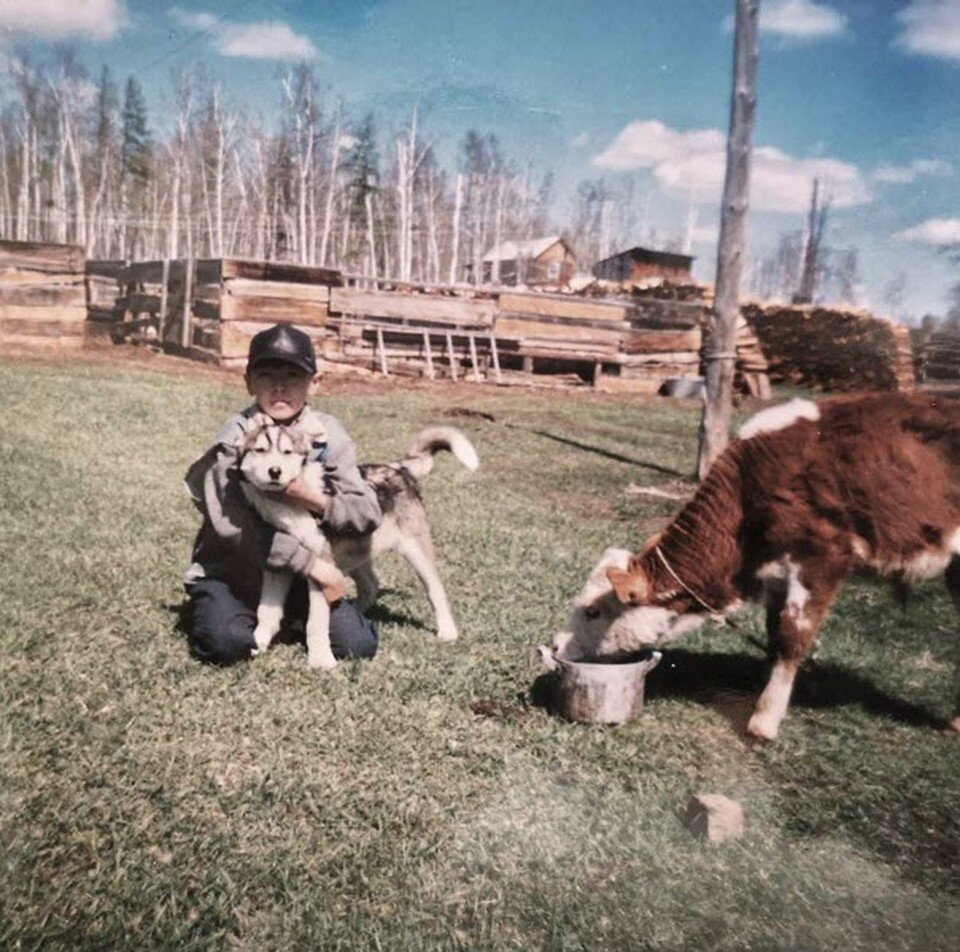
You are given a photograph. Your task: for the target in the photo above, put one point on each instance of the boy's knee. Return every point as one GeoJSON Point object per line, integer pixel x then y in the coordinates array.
{"type": "Point", "coordinates": [352, 634]}
{"type": "Point", "coordinates": [220, 627]}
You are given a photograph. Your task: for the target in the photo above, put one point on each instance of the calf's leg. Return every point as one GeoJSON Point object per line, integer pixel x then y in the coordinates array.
{"type": "Point", "coordinates": [795, 612]}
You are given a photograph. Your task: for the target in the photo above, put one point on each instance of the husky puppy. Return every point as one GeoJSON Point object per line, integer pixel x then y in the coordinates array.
{"type": "Point", "coordinates": [271, 455]}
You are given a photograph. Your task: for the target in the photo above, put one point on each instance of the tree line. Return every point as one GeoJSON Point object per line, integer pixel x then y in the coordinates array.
{"type": "Point", "coordinates": [80, 162]}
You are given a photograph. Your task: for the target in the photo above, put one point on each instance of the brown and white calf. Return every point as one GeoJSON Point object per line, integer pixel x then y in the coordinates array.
{"type": "Point", "coordinates": [809, 493]}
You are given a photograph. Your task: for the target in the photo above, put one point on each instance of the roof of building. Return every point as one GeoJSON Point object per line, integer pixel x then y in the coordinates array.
{"type": "Point", "coordinates": [513, 250]}
{"type": "Point", "coordinates": [657, 257]}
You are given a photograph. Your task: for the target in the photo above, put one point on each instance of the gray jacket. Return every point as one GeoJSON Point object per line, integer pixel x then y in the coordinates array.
{"type": "Point", "coordinates": [234, 544]}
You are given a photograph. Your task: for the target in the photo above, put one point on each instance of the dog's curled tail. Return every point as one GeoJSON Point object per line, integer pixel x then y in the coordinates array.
{"type": "Point", "coordinates": [427, 443]}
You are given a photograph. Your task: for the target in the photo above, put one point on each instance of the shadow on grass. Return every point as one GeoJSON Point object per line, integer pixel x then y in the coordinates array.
{"type": "Point", "coordinates": [731, 683]}
{"type": "Point", "coordinates": [606, 454]}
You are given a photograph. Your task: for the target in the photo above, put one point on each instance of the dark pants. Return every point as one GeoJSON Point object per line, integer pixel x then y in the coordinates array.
{"type": "Point", "coordinates": [220, 625]}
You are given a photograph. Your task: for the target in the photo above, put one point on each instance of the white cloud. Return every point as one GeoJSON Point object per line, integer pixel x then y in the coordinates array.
{"type": "Point", "coordinates": [931, 27]}
{"type": "Point", "coordinates": [691, 165]}
{"type": "Point", "coordinates": [801, 19]}
{"type": "Point", "coordinates": [904, 174]}
{"type": "Point", "coordinates": [59, 19]}
{"type": "Point", "coordinates": [580, 140]}
{"type": "Point", "coordinates": [934, 231]}
{"type": "Point", "coordinates": [268, 39]}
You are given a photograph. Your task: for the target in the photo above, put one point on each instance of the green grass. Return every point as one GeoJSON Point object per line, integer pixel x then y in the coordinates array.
{"type": "Point", "coordinates": [148, 801]}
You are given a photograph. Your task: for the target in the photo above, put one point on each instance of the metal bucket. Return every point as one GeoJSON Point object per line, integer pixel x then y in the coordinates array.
{"type": "Point", "coordinates": [608, 692]}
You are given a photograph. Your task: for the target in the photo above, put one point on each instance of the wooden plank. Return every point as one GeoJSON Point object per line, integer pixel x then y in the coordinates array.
{"type": "Point", "coordinates": [138, 302]}
{"type": "Point", "coordinates": [647, 386]}
{"type": "Point", "coordinates": [451, 357]}
{"type": "Point", "coordinates": [108, 269]}
{"type": "Point", "coordinates": [286, 290]}
{"type": "Point", "coordinates": [18, 277]}
{"type": "Point", "coordinates": [274, 309]}
{"type": "Point", "coordinates": [509, 326]}
{"type": "Point", "coordinates": [186, 328]}
{"type": "Point", "coordinates": [414, 307]}
{"type": "Point", "coordinates": [563, 306]}
{"type": "Point", "coordinates": [648, 341]}
{"type": "Point", "coordinates": [278, 271]}
{"type": "Point", "coordinates": [235, 336]}
{"type": "Point", "coordinates": [66, 314]}
{"type": "Point", "coordinates": [38, 295]}
{"type": "Point", "coordinates": [383, 355]}
{"type": "Point", "coordinates": [473, 358]}
{"type": "Point", "coordinates": [554, 320]}
{"type": "Point", "coordinates": [35, 256]}
{"type": "Point", "coordinates": [428, 353]}
{"type": "Point", "coordinates": [496, 359]}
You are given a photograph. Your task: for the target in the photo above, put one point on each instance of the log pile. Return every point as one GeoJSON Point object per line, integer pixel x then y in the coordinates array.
{"type": "Point", "coordinates": [940, 357]}
{"type": "Point", "coordinates": [833, 349]}
{"type": "Point", "coordinates": [42, 295]}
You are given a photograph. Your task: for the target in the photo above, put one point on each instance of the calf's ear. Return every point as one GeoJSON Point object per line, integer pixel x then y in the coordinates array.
{"type": "Point", "coordinates": [630, 587]}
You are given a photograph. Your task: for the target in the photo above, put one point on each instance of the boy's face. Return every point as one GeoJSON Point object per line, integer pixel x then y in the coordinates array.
{"type": "Point", "coordinates": [280, 389]}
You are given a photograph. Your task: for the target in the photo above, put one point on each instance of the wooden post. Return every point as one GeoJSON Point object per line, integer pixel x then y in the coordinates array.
{"type": "Point", "coordinates": [428, 351]}
{"type": "Point", "coordinates": [187, 328]}
{"type": "Point", "coordinates": [383, 353]}
{"type": "Point", "coordinates": [720, 356]}
{"type": "Point", "coordinates": [473, 356]}
{"type": "Point", "coordinates": [451, 357]}
{"type": "Point", "coordinates": [164, 293]}
{"type": "Point", "coordinates": [528, 365]}
{"type": "Point", "coordinates": [597, 372]}
{"type": "Point", "coordinates": [496, 359]}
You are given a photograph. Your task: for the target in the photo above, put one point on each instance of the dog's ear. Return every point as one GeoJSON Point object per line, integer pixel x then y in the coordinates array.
{"type": "Point", "coordinates": [246, 439]}
{"type": "Point", "coordinates": [632, 587]}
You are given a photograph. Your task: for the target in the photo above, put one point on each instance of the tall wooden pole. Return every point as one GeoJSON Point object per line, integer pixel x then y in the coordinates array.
{"type": "Point", "coordinates": [720, 356]}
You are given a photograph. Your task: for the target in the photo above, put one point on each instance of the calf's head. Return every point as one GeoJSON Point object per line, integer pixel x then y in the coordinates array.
{"type": "Point", "coordinates": [616, 613]}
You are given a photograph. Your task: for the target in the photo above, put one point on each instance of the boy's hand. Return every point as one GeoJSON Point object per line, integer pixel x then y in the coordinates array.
{"type": "Point", "coordinates": [302, 494]}
{"type": "Point", "coordinates": [331, 581]}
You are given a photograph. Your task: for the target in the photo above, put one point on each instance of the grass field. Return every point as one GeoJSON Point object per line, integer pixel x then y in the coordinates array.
{"type": "Point", "coordinates": [149, 801]}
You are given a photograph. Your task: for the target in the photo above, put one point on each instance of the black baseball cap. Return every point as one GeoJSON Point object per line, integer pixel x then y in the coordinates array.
{"type": "Point", "coordinates": [285, 343]}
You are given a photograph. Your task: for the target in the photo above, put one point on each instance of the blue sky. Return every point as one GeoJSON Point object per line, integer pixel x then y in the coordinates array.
{"type": "Point", "coordinates": [861, 93]}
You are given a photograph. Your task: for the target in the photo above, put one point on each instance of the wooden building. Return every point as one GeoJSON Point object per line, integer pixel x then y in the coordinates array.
{"type": "Point", "coordinates": [638, 264]}
{"type": "Point", "coordinates": [537, 262]}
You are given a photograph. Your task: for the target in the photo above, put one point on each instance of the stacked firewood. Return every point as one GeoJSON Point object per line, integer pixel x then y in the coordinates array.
{"type": "Point", "coordinates": [833, 349]}
{"type": "Point", "coordinates": [42, 295]}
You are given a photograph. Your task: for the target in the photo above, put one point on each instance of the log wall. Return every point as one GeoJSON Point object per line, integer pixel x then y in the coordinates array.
{"type": "Point", "coordinates": [42, 296]}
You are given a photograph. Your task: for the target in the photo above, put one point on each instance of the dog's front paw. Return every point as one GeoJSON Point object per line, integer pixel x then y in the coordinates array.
{"type": "Point", "coordinates": [262, 639]}
{"type": "Point", "coordinates": [321, 660]}
{"type": "Point", "coordinates": [447, 633]}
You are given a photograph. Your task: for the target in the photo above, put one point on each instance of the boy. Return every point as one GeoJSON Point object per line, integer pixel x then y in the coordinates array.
{"type": "Point", "coordinates": [234, 545]}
